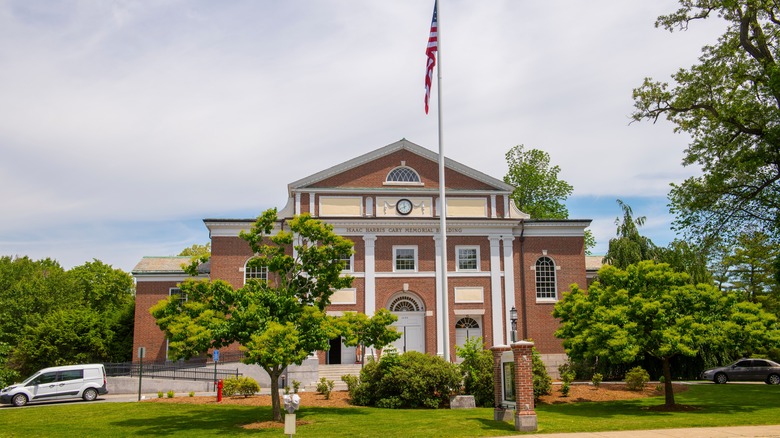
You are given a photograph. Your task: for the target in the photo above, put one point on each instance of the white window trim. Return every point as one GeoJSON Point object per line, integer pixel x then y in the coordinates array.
{"type": "Point", "coordinates": [395, 254]}
{"type": "Point", "coordinates": [556, 268]}
{"type": "Point", "coordinates": [457, 258]}
{"type": "Point", "coordinates": [245, 270]}
{"type": "Point", "coordinates": [351, 265]}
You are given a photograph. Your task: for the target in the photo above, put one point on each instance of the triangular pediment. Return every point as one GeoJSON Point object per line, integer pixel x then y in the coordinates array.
{"type": "Point", "coordinates": [370, 170]}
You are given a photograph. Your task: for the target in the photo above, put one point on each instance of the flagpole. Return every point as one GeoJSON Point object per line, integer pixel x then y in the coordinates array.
{"type": "Point", "coordinates": [445, 311]}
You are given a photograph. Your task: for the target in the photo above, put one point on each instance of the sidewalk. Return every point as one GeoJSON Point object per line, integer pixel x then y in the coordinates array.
{"type": "Point", "coordinates": [699, 432]}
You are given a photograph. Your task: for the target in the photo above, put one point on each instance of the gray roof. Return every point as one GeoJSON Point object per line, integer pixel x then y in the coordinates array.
{"type": "Point", "coordinates": [167, 265]}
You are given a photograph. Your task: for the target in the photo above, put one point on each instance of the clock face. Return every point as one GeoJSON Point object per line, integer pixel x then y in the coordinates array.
{"type": "Point", "coordinates": [404, 206]}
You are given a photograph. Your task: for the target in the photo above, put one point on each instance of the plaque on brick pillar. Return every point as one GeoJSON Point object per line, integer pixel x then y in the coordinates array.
{"type": "Point", "coordinates": [503, 407]}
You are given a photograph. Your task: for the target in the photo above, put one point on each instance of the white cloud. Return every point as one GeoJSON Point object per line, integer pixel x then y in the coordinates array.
{"type": "Point", "coordinates": [136, 112]}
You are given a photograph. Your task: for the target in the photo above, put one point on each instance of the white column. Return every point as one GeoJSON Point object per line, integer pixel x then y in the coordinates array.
{"type": "Point", "coordinates": [494, 213]}
{"type": "Point", "coordinates": [369, 206]}
{"type": "Point", "coordinates": [509, 283]}
{"type": "Point", "coordinates": [495, 290]}
{"type": "Point", "coordinates": [297, 202]}
{"type": "Point", "coordinates": [440, 329]}
{"type": "Point", "coordinates": [370, 275]}
{"type": "Point", "coordinates": [506, 206]}
{"type": "Point", "coordinates": [311, 204]}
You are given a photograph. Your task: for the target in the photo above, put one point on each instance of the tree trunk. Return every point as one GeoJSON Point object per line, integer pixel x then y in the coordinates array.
{"type": "Point", "coordinates": [275, 373]}
{"type": "Point", "coordinates": [668, 391]}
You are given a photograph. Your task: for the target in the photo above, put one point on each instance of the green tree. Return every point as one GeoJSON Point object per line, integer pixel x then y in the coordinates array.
{"type": "Point", "coordinates": [278, 321]}
{"type": "Point", "coordinates": [375, 331]}
{"type": "Point", "coordinates": [64, 337]}
{"type": "Point", "coordinates": [103, 288]}
{"type": "Point", "coordinates": [538, 191]}
{"type": "Point", "coordinates": [477, 370]}
{"type": "Point", "coordinates": [729, 105]}
{"type": "Point", "coordinates": [197, 250]}
{"type": "Point", "coordinates": [629, 246]}
{"type": "Point", "coordinates": [30, 289]}
{"type": "Point", "coordinates": [691, 258]}
{"type": "Point", "coordinates": [649, 310]}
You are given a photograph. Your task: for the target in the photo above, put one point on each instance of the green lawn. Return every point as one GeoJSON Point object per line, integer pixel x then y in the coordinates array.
{"type": "Point", "coordinates": [718, 405]}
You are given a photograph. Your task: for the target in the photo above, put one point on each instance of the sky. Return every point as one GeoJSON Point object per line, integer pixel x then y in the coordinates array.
{"type": "Point", "coordinates": [123, 124]}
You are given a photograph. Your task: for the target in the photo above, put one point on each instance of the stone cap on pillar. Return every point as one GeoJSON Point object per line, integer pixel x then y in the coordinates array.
{"type": "Point", "coordinates": [500, 348]}
{"type": "Point", "coordinates": [522, 344]}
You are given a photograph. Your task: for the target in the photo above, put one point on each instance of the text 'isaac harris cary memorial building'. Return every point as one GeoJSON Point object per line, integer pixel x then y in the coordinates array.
{"type": "Point", "coordinates": [387, 202]}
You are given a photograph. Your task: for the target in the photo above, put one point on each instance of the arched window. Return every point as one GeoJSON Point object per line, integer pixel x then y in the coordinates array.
{"type": "Point", "coordinates": [545, 279]}
{"type": "Point", "coordinates": [255, 272]}
{"type": "Point", "coordinates": [405, 303]}
{"type": "Point", "coordinates": [466, 323]}
{"type": "Point", "coordinates": [403, 175]}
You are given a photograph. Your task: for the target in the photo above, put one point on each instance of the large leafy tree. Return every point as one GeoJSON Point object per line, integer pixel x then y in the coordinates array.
{"type": "Point", "coordinates": [538, 191]}
{"type": "Point", "coordinates": [278, 321]}
{"type": "Point", "coordinates": [629, 247]}
{"type": "Point", "coordinates": [648, 310]}
{"type": "Point", "coordinates": [374, 331]}
{"type": "Point", "coordinates": [729, 104]}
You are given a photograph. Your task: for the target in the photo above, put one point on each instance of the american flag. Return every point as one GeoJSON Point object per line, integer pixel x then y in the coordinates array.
{"type": "Point", "coordinates": [433, 46]}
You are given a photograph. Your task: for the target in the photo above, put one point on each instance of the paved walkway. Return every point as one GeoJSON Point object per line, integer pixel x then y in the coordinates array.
{"type": "Point", "coordinates": [699, 432]}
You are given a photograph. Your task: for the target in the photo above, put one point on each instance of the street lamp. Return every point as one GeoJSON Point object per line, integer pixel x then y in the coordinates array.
{"type": "Point", "coordinates": [513, 318]}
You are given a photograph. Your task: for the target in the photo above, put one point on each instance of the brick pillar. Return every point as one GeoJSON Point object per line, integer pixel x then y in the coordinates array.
{"type": "Point", "coordinates": [500, 413]}
{"type": "Point", "coordinates": [525, 416]}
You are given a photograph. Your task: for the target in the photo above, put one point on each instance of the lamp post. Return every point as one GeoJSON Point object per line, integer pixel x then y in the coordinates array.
{"type": "Point", "coordinates": [513, 319]}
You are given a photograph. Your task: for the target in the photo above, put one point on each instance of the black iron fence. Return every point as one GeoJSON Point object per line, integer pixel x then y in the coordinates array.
{"type": "Point", "coordinates": [170, 371]}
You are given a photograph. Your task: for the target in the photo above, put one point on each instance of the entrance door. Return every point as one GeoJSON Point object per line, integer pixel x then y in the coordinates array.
{"type": "Point", "coordinates": [466, 328]}
{"type": "Point", "coordinates": [411, 326]}
{"type": "Point", "coordinates": [411, 323]}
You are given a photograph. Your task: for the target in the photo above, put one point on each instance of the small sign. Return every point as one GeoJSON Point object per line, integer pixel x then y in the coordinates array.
{"type": "Point", "coordinates": [141, 352]}
{"type": "Point", "coordinates": [216, 355]}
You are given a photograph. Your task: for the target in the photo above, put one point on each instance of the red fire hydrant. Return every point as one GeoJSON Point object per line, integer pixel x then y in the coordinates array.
{"type": "Point", "coordinates": [219, 391]}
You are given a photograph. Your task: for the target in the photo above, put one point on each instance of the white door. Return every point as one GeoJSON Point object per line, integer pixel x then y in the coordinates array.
{"type": "Point", "coordinates": [466, 328]}
{"type": "Point", "coordinates": [412, 328]}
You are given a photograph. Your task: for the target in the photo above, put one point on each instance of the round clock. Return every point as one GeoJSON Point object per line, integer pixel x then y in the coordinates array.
{"type": "Point", "coordinates": [404, 206]}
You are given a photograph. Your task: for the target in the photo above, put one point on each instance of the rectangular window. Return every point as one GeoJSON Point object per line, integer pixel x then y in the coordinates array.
{"type": "Point", "coordinates": [467, 258]}
{"type": "Point", "coordinates": [259, 273]}
{"type": "Point", "coordinates": [177, 291]}
{"type": "Point", "coordinates": [404, 258]}
{"type": "Point", "coordinates": [348, 262]}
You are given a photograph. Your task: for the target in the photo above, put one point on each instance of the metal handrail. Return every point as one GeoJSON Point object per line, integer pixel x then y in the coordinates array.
{"type": "Point", "coordinates": [170, 371]}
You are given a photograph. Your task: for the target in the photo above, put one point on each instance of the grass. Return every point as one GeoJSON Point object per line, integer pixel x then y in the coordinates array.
{"type": "Point", "coordinates": [718, 405]}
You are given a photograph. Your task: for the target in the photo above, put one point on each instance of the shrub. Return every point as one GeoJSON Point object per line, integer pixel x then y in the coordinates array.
{"type": "Point", "coordinates": [477, 371]}
{"type": "Point", "coordinates": [542, 380]}
{"type": "Point", "coordinates": [325, 387]}
{"type": "Point", "coordinates": [191, 394]}
{"type": "Point", "coordinates": [240, 385]}
{"type": "Point", "coordinates": [160, 394]}
{"type": "Point", "coordinates": [409, 380]}
{"type": "Point", "coordinates": [296, 386]}
{"type": "Point", "coordinates": [636, 378]}
{"type": "Point", "coordinates": [567, 376]}
{"type": "Point", "coordinates": [352, 382]}
{"type": "Point", "coordinates": [170, 394]}
{"type": "Point", "coordinates": [596, 379]}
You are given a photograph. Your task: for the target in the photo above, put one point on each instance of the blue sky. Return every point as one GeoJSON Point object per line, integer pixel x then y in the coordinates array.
{"type": "Point", "coordinates": [123, 124]}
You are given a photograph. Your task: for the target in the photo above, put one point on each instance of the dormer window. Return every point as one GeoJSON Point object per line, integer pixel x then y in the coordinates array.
{"type": "Point", "coordinates": [403, 175]}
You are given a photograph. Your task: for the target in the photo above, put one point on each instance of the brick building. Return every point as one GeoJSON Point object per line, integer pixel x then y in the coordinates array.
{"type": "Point", "coordinates": [387, 203]}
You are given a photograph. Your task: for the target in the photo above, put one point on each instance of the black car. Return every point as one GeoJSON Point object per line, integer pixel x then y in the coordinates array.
{"type": "Point", "coordinates": [761, 370]}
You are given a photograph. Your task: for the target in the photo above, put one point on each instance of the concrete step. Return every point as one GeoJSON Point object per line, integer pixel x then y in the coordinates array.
{"type": "Point", "coordinates": [334, 373]}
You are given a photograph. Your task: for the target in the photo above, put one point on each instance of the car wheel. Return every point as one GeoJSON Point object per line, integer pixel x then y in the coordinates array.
{"type": "Point", "coordinates": [90, 394]}
{"type": "Point", "coordinates": [721, 378]}
{"type": "Point", "coordinates": [773, 379]}
{"type": "Point", "coordinates": [19, 400]}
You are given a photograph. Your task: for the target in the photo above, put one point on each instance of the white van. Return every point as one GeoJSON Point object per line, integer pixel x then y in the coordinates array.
{"type": "Point", "coordinates": [71, 381]}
